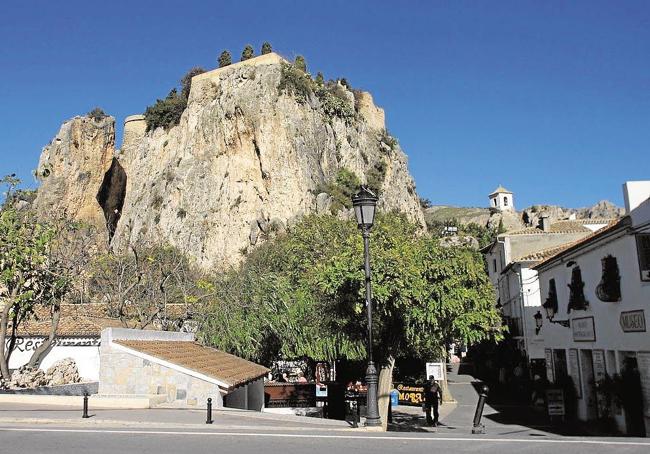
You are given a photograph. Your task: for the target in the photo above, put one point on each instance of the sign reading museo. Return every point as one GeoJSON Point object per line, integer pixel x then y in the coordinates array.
{"type": "Point", "coordinates": [633, 321]}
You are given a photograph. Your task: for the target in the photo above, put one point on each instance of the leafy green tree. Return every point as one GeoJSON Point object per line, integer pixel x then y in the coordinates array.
{"type": "Point", "coordinates": [300, 63]}
{"type": "Point", "coordinates": [186, 80]}
{"type": "Point", "coordinates": [247, 53]}
{"type": "Point", "coordinates": [137, 286]}
{"type": "Point", "coordinates": [31, 274]}
{"type": "Point", "coordinates": [320, 80]}
{"type": "Point", "coordinates": [266, 48]}
{"type": "Point", "coordinates": [225, 59]}
{"type": "Point", "coordinates": [302, 295]}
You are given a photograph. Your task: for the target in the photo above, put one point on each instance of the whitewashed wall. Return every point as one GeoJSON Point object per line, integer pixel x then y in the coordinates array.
{"type": "Point", "coordinates": [84, 351]}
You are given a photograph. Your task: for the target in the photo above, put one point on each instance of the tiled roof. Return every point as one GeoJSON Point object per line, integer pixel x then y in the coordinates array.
{"type": "Point", "coordinates": [544, 254]}
{"type": "Point", "coordinates": [224, 367]}
{"type": "Point", "coordinates": [614, 225]}
{"type": "Point", "coordinates": [557, 227]}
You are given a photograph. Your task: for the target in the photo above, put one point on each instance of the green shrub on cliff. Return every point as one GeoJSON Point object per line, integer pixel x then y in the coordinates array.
{"type": "Point", "coordinates": [300, 63]}
{"type": "Point", "coordinates": [186, 80]}
{"type": "Point", "coordinates": [376, 176]}
{"type": "Point", "coordinates": [224, 59]}
{"type": "Point", "coordinates": [296, 82]}
{"type": "Point", "coordinates": [344, 186]}
{"type": "Point", "coordinates": [247, 53]}
{"type": "Point", "coordinates": [97, 114]}
{"type": "Point", "coordinates": [266, 48]}
{"type": "Point", "coordinates": [165, 112]}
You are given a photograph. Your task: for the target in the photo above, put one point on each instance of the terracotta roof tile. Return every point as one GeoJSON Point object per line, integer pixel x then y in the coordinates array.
{"type": "Point", "coordinates": [557, 227]}
{"type": "Point", "coordinates": [221, 366]}
{"type": "Point", "coordinates": [613, 225]}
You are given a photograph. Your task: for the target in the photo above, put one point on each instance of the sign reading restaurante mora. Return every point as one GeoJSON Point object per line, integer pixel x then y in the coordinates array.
{"type": "Point", "coordinates": [633, 321]}
{"type": "Point", "coordinates": [583, 329]}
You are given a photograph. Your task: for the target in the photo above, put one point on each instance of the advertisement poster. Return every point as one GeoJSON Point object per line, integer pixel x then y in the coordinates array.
{"type": "Point", "coordinates": [574, 371]}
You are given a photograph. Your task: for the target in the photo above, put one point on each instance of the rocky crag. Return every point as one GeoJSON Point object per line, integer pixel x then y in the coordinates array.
{"type": "Point", "coordinates": [248, 157]}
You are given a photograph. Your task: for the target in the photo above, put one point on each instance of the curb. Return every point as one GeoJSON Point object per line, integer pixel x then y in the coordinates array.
{"type": "Point", "coordinates": [121, 423]}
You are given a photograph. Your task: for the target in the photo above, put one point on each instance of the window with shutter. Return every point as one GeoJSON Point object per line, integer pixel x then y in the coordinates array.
{"type": "Point", "coordinates": [643, 251]}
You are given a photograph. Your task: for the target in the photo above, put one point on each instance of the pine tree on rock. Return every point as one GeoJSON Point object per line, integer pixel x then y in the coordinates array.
{"type": "Point", "coordinates": [266, 48]}
{"type": "Point", "coordinates": [247, 53]}
{"type": "Point", "coordinates": [300, 63]}
{"type": "Point", "coordinates": [224, 59]}
{"type": "Point", "coordinates": [320, 80]}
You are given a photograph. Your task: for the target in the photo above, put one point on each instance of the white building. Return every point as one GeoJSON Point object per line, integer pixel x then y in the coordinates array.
{"type": "Point", "coordinates": [596, 295]}
{"type": "Point", "coordinates": [509, 261]}
{"type": "Point", "coordinates": [502, 199]}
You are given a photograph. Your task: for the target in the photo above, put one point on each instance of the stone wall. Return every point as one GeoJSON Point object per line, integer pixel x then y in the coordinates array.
{"type": "Point", "coordinates": [123, 373]}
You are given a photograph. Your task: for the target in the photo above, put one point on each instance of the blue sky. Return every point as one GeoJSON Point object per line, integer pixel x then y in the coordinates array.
{"type": "Point", "coordinates": [550, 99]}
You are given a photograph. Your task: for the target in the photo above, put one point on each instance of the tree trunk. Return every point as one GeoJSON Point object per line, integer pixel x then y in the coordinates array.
{"type": "Point", "coordinates": [44, 348]}
{"type": "Point", "coordinates": [4, 319]}
{"type": "Point", "coordinates": [12, 337]}
{"type": "Point", "coordinates": [384, 388]}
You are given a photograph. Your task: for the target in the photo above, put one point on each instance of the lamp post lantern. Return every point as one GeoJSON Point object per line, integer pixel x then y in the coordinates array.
{"type": "Point", "coordinates": [365, 202]}
{"type": "Point", "coordinates": [539, 319]}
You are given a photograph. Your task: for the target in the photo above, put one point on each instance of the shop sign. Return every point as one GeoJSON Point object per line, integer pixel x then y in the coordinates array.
{"type": "Point", "coordinates": [555, 402]}
{"type": "Point", "coordinates": [548, 354]}
{"type": "Point", "coordinates": [435, 369]}
{"type": "Point", "coordinates": [574, 371]}
{"type": "Point", "coordinates": [633, 321]}
{"type": "Point", "coordinates": [410, 394]}
{"type": "Point", "coordinates": [583, 329]}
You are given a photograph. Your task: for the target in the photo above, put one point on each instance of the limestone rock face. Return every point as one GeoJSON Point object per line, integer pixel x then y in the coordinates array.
{"type": "Point", "coordinates": [62, 372]}
{"type": "Point", "coordinates": [245, 159]}
{"type": "Point", "coordinates": [72, 168]}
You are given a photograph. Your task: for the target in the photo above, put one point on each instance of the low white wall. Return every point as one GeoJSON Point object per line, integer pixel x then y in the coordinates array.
{"type": "Point", "coordinates": [84, 351]}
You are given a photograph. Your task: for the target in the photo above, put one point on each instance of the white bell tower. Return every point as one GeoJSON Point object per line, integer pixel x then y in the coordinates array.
{"type": "Point", "coordinates": [501, 199]}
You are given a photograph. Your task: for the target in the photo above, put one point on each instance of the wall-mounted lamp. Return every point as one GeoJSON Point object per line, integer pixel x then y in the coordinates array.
{"type": "Point", "coordinates": [539, 319]}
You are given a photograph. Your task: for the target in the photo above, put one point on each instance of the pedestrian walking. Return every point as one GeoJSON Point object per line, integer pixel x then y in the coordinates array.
{"type": "Point", "coordinates": [432, 398]}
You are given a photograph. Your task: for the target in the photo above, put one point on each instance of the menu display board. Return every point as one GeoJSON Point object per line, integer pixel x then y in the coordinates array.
{"type": "Point", "coordinates": [550, 376]}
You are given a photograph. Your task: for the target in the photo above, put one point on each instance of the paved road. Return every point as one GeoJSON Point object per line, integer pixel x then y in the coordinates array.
{"type": "Point", "coordinates": [52, 439]}
{"type": "Point", "coordinates": [509, 429]}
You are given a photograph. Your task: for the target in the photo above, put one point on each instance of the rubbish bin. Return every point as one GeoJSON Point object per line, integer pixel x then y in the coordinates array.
{"type": "Point", "coordinates": [394, 398]}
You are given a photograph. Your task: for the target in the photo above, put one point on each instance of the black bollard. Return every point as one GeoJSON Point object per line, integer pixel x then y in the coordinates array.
{"type": "Point", "coordinates": [477, 427]}
{"type": "Point", "coordinates": [208, 420]}
{"type": "Point", "coordinates": [85, 414]}
{"type": "Point", "coordinates": [355, 413]}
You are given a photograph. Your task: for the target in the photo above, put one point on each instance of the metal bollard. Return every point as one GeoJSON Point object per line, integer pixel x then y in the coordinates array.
{"type": "Point", "coordinates": [355, 413]}
{"type": "Point", "coordinates": [85, 413]}
{"type": "Point", "coordinates": [208, 420]}
{"type": "Point", "coordinates": [477, 427]}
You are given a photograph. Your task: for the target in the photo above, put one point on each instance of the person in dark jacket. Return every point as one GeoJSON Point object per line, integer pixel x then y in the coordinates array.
{"type": "Point", "coordinates": [432, 397]}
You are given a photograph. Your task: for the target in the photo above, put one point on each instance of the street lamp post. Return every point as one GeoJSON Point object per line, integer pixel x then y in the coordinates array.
{"type": "Point", "coordinates": [364, 203]}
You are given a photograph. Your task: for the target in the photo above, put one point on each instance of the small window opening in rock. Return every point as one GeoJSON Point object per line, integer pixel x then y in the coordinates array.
{"type": "Point", "coordinates": [111, 196]}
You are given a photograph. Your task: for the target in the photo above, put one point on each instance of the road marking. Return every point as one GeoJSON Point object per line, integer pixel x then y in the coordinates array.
{"type": "Point", "coordinates": [345, 437]}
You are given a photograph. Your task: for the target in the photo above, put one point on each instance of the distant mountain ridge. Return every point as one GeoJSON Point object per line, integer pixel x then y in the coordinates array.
{"type": "Point", "coordinates": [489, 217]}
